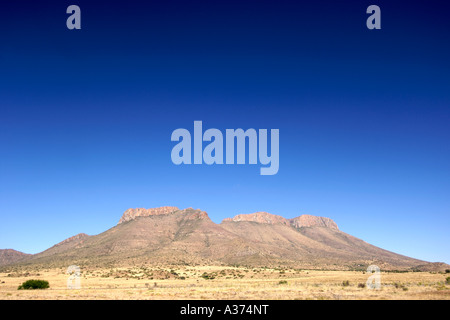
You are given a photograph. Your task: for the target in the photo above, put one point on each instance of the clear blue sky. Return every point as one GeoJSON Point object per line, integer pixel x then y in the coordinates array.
{"type": "Point", "coordinates": [86, 116]}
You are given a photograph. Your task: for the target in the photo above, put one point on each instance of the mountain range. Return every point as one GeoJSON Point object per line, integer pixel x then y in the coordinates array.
{"type": "Point", "coordinates": [168, 235]}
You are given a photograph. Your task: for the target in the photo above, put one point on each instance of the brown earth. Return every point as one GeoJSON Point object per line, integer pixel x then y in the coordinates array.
{"type": "Point", "coordinates": [224, 283]}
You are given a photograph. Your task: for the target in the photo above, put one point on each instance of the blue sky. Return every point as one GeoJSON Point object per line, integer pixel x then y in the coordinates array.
{"type": "Point", "coordinates": [86, 115]}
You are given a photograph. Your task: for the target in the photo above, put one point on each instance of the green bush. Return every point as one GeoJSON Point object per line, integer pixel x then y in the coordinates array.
{"type": "Point", "coordinates": [207, 276]}
{"type": "Point", "coordinates": [447, 280]}
{"type": "Point", "coordinates": [282, 282]}
{"type": "Point", "coordinates": [34, 284]}
{"type": "Point", "coordinates": [346, 283]}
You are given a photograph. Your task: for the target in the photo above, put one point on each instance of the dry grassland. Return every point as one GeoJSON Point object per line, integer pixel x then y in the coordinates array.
{"type": "Point", "coordinates": [224, 283]}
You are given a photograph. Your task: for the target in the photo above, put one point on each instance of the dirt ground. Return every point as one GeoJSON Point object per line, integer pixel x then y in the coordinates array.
{"type": "Point", "coordinates": [224, 283]}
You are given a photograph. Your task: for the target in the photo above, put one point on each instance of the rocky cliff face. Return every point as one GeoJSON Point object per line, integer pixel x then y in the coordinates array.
{"type": "Point", "coordinates": [298, 222]}
{"type": "Point", "coordinates": [195, 214]}
{"type": "Point", "coordinates": [131, 214]}
{"type": "Point", "coordinates": [260, 217]}
{"type": "Point", "coordinates": [313, 221]}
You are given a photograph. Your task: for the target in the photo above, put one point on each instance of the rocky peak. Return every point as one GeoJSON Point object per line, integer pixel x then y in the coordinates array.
{"type": "Point", "coordinates": [298, 222]}
{"type": "Point", "coordinates": [260, 217]}
{"type": "Point", "coordinates": [8, 256]}
{"type": "Point", "coordinates": [12, 252]}
{"type": "Point", "coordinates": [78, 237]}
{"type": "Point", "coordinates": [307, 220]}
{"type": "Point", "coordinates": [131, 214]}
{"type": "Point", "coordinates": [194, 214]}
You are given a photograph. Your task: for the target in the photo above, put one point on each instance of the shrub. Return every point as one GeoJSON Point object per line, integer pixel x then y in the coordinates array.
{"type": "Point", "coordinates": [34, 284]}
{"type": "Point", "coordinates": [283, 282]}
{"type": "Point", "coordinates": [207, 276]}
{"type": "Point", "coordinates": [345, 283]}
{"type": "Point", "coordinates": [447, 280]}
{"type": "Point", "coordinates": [361, 285]}
{"type": "Point", "coordinates": [400, 286]}
{"type": "Point", "coordinates": [447, 270]}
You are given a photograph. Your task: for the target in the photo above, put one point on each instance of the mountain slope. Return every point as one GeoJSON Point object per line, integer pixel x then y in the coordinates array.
{"type": "Point", "coordinates": [312, 241]}
{"type": "Point", "coordinates": [168, 235]}
{"type": "Point", "coordinates": [9, 256]}
{"type": "Point", "coordinates": [180, 236]}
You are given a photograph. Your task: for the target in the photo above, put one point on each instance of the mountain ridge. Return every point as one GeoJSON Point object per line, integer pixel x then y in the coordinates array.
{"type": "Point", "coordinates": [170, 235]}
{"type": "Point", "coordinates": [9, 256]}
{"type": "Point", "coordinates": [304, 220]}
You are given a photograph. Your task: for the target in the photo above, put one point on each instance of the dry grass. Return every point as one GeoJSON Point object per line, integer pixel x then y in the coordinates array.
{"type": "Point", "coordinates": [225, 283]}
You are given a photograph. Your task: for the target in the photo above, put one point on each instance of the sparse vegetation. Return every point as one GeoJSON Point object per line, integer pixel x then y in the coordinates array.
{"type": "Point", "coordinates": [208, 276]}
{"type": "Point", "coordinates": [225, 282]}
{"type": "Point", "coordinates": [34, 284]}
{"type": "Point", "coordinates": [400, 286]}
{"type": "Point", "coordinates": [447, 280]}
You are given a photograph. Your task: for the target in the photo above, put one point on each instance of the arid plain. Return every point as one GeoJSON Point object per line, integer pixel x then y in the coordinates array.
{"type": "Point", "coordinates": [167, 253]}
{"type": "Point", "coordinates": [208, 282]}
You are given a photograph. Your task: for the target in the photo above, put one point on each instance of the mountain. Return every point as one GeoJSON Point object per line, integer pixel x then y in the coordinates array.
{"type": "Point", "coordinates": [258, 217]}
{"type": "Point", "coordinates": [307, 220]}
{"type": "Point", "coordinates": [9, 256]}
{"type": "Point", "coordinates": [168, 235]}
{"type": "Point", "coordinates": [311, 241]}
{"type": "Point", "coordinates": [180, 236]}
{"type": "Point", "coordinates": [65, 245]}
{"type": "Point", "coordinates": [132, 214]}
{"type": "Point", "coordinates": [304, 220]}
